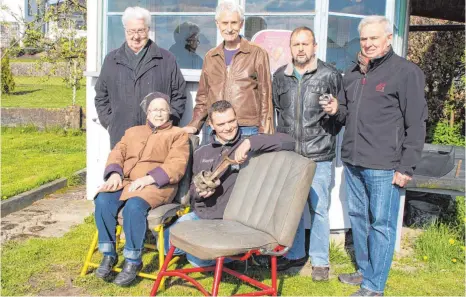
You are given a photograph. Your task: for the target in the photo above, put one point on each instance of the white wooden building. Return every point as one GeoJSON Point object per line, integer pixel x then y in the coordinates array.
{"type": "Point", "coordinates": [334, 22]}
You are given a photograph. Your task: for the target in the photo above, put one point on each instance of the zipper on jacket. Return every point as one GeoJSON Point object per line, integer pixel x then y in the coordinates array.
{"type": "Point", "coordinates": [359, 98]}
{"type": "Point", "coordinates": [298, 119]}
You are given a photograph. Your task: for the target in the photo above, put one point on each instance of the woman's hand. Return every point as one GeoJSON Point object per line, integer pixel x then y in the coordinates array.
{"type": "Point", "coordinates": [112, 183]}
{"type": "Point", "coordinates": [140, 183]}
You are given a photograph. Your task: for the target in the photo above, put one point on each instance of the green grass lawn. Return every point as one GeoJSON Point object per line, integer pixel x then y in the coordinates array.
{"type": "Point", "coordinates": [51, 267]}
{"type": "Point", "coordinates": [40, 92]}
{"type": "Point", "coordinates": [31, 158]}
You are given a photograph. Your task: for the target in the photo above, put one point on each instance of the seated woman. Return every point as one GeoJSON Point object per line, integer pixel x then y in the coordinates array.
{"type": "Point", "coordinates": [142, 173]}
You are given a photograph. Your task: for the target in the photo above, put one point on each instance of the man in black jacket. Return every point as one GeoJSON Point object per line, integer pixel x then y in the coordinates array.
{"type": "Point", "coordinates": [128, 74]}
{"type": "Point", "coordinates": [296, 91]}
{"type": "Point", "coordinates": [383, 107]}
{"type": "Point", "coordinates": [225, 138]}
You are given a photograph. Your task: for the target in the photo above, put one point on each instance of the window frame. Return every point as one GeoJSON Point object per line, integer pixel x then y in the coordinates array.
{"type": "Point", "coordinates": [321, 15]}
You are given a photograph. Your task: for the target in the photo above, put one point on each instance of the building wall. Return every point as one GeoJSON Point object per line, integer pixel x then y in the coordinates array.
{"type": "Point", "coordinates": [17, 12]}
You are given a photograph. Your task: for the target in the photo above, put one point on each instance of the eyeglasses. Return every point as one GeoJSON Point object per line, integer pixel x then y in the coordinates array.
{"type": "Point", "coordinates": [193, 41]}
{"type": "Point", "coordinates": [162, 111]}
{"type": "Point", "coordinates": [141, 32]}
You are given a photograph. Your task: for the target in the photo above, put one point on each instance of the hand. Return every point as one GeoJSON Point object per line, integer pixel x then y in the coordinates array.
{"type": "Point", "coordinates": [401, 179]}
{"type": "Point", "coordinates": [241, 152]}
{"type": "Point", "coordinates": [140, 183]}
{"type": "Point", "coordinates": [209, 192]}
{"type": "Point", "coordinates": [189, 129]}
{"type": "Point", "coordinates": [112, 183]}
{"type": "Point", "coordinates": [330, 106]}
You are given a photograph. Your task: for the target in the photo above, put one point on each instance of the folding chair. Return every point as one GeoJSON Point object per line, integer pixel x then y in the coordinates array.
{"type": "Point", "coordinates": [261, 218]}
{"type": "Point", "coordinates": [157, 220]}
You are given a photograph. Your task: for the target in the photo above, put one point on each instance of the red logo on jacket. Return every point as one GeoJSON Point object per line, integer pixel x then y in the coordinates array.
{"type": "Point", "coordinates": [380, 87]}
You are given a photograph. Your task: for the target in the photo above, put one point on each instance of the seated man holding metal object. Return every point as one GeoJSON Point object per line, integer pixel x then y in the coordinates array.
{"type": "Point", "coordinates": [216, 166]}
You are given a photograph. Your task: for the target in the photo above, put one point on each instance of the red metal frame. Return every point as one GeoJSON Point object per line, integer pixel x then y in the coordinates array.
{"type": "Point", "coordinates": [218, 269]}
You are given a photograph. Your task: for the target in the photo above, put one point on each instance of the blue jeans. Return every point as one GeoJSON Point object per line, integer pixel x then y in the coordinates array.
{"type": "Point", "coordinates": [373, 210]}
{"type": "Point", "coordinates": [107, 206]}
{"type": "Point", "coordinates": [245, 131]}
{"type": "Point", "coordinates": [319, 202]}
{"type": "Point", "coordinates": [196, 262]}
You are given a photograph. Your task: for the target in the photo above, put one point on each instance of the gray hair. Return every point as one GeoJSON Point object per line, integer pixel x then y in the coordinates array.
{"type": "Point", "coordinates": [229, 6]}
{"type": "Point", "coordinates": [136, 13]}
{"type": "Point", "coordinates": [376, 19]}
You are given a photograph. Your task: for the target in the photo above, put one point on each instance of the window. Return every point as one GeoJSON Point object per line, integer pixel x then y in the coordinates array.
{"type": "Point", "coordinates": [277, 14]}
{"type": "Point", "coordinates": [179, 24]}
{"type": "Point", "coordinates": [185, 28]}
{"type": "Point", "coordinates": [342, 33]}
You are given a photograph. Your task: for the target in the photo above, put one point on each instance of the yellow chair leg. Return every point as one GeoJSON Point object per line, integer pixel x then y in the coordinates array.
{"type": "Point", "coordinates": [90, 253]}
{"type": "Point", "coordinates": [117, 235]}
{"type": "Point", "coordinates": [161, 249]}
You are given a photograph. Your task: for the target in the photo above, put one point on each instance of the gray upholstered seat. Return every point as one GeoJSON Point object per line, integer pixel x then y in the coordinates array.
{"type": "Point", "coordinates": [209, 239]}
{"type": "Point", "coordinates": [263, 211]}
{"type": "Point", "coordinates": [157, 215]}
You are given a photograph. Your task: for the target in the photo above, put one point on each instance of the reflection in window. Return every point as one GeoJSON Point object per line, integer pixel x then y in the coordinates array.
{"type": "Point", "coordinates": [342, 41]}
{"type": "Point", "coordinates": [30, 8]}
{"type": "Point", "coordinates": [164, 5]}
{"type": "Point", "coordinates": [187, 41]}
{"type": "Point", "coordinates": [362, 7]}
{"type": "Point", "coordinates": [280, 6]}
{"type": "Point", "coordinates": [254, 24]}
{"type": "Point", "coordinates": [174, 33]}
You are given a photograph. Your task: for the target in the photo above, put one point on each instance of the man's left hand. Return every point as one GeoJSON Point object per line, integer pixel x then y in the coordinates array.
{"type": "Point", "coordinates": [140, 183]}
{"type": "Point", "coordinates": [401, 179]}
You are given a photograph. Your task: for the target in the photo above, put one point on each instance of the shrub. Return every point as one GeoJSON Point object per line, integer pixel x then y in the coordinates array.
{"type": "Point", "coordinates": [32, 51]}
{"type": "Point", "coordinates": [442, 133]}
{"type": "Point", "coordinates": [8, 83]}
{"type": "Point", "coordinates": [460, 216]}
{"type": "Point", "coordinates": [15, 49]}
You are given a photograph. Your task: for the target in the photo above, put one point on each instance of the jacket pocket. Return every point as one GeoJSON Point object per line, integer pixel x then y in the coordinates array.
{"type": "Point", "coordinates": [285, 97]}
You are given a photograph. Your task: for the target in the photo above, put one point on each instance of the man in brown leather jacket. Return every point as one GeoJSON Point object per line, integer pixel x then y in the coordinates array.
{"type": "Point", "coordinates": [236, 71]}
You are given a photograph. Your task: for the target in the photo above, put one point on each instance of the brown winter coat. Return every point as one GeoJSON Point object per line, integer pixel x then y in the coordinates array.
{"type": "Point", "coordinates": [160, 152]}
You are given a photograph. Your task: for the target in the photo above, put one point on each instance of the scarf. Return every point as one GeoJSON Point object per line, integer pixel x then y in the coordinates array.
{"type": "Point", "coordinates": [364, 61]}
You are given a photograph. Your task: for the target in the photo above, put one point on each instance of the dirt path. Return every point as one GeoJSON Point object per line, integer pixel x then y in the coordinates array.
{"type": "Point", "coordinates": [52, 216]}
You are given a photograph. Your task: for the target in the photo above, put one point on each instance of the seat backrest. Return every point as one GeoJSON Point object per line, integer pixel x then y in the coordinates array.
{"type": "Point", "coordinates": [182, 195]}
{"type": "Point", "coordinates": [270, 194]}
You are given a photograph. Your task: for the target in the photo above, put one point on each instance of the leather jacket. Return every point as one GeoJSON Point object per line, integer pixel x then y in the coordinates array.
{"type": "Point", "coordinates": [299, 112]}
{"type": "Point", "coordinates": [246, 84]}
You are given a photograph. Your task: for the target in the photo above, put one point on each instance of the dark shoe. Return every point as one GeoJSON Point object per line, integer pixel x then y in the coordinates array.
{"type": "Point", "coordinates": [284, 264]}
{"type": "Point", "coordinates": [261, 261]}
{"type": "Point", "coordinates": [354, 278]}
{"type": "Point", "coordinates": [366, 292]}
{"type": "Point", "coordinates": [106, 266]}
{"type": "Point", "coordinates": [128, 273]}
{"type": "Point", "coordinates": [320, 274]}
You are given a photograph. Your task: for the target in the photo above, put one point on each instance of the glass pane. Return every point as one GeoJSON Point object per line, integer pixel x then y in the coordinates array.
{"type": "Point", "coordinates": [277, 44]}
{"type": "Point", "coordinates": [165, 5]}
{"type": "Point", "coordinates": [280, 6]}
{"type": "Point", "coordinates": [176, 34]}
{"type": "Point", "coordinates": [342, 41]}
{"type": "Point", "coordinates": [364, 7]}
{"type": "Point", "coordinates": [254, 24]}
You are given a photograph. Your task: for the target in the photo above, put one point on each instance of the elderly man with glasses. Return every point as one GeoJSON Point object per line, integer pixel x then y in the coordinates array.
{"type": "Point", "coordinates": [132, 71]}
